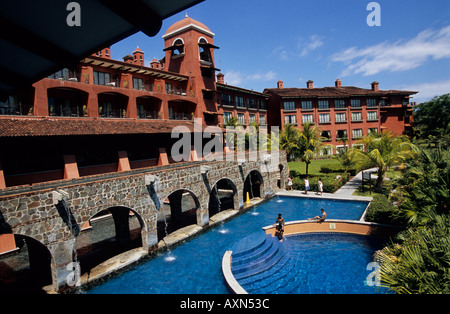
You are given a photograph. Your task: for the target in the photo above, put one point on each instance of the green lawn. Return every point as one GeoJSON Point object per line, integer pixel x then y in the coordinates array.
{"type": "Point", "coordinates": [314, 166]}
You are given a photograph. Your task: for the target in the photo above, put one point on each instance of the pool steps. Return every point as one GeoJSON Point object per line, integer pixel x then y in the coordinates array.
{"type": "Point", "coordinates": [257, 257]}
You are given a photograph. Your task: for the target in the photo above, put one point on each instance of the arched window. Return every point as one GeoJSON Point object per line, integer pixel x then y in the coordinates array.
{"type": "Point", "coordinates": [205, 52]}
{"type": "Point", "coordinates": [178, 47]}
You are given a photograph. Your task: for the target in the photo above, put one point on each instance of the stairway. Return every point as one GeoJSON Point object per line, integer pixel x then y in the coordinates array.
{"type": "Point", "coordinates": [258, 257]}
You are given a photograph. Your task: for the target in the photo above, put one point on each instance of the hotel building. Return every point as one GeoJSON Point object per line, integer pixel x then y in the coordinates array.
{"type": "Point", "coordinates": [342, 112]}
{"type": "Point", "coordinates": [104, 115]}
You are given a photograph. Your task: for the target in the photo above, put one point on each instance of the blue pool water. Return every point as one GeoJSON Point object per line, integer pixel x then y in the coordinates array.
{"type": "Point", "coordinates": [321, 263]}
{"type": "Point", "coordinates": [195, 266]}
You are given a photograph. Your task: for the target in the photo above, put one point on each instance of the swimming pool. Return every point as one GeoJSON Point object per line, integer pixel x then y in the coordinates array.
{"type": "Point", "coordinates": [195, 266]}
{"type": "Point", "coordinates": [320, 263]}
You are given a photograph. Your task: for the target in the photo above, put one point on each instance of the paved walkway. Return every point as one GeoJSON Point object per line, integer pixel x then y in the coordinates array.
{"type": "Point", "coordinates": [345, 192]}
{"type": "Point", "coordinates": [351, 186]}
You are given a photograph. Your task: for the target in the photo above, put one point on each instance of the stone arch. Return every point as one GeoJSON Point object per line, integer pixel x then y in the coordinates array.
{"type": "Point", "coordinates": [179, 208]}
{"type": "Point", "coordinates": [281, 180]}
{"type": "Point", "coordinates": [67, 102]}
{"type": "Point", "coordinates": [253, 185]}
{"type": "Point", "coordinates": [28, 267]}
{"type": "Point", "coordinates": [220, 197]}
{"type": "Point", "coordinates": [108, 232]}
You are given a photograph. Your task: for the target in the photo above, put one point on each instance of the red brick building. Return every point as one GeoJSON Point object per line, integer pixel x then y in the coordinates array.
{"type": "Point", "coordinates": [341, 111]}
{"type": "Point", "coordinates": [104, 115]}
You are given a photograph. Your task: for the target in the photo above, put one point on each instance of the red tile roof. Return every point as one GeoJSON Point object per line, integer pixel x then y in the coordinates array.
{"type": "Point", "coordinates": [344, 91]}
{"type": "Point", "coordinates": [60, 126]}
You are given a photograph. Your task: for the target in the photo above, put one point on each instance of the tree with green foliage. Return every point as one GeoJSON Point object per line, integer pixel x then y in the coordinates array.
{"type": "Point", "coordinates": [419, 259]}
{"type": "Point", "coordinates": [309, 142]}
{"type": "Point", "coordinates": [383, 150]}
{"type": "Point", "coordinates": [432, 121]}
{"type": "Point", "coordinates": [289, 138]}
{"type": "Point", "coordinates": [345, 156]}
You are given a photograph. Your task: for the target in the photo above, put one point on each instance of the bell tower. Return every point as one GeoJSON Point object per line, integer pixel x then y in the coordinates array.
{"type": "Point", "coordinates": [189, 50]}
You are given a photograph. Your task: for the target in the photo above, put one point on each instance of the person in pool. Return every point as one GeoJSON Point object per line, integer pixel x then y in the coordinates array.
{"type": "Point", "coordinates": [320, 219]}
{"type": "Point", "coordinates": [279, 223]}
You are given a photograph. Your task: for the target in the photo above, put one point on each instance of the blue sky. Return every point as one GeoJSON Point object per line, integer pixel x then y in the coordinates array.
{"type": "Point", "coordinates": [262, 41]}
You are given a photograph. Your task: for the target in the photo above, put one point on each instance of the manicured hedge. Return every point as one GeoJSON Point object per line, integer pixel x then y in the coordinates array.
{"type": "Point", "coordinates": [337, 169]}
{"type": "Point", "coordinates": [331, 183]}
{"type": "Point", "coordinates": [382, 211]}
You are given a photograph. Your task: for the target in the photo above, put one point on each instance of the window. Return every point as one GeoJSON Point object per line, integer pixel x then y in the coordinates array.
{"type": "Point", "coordinates": [326, 135]}
{"type": "Point", "coordinates": [339, 104]}
{"type": "Point", "coordinates": [341, 134]}
{"type": "Point", "coordinates": [241, 118]}
{"type": "Point", "coordinates": [323, 104]}
{"type": "Point", "coordinates": [290, 119]}
{"type": "Point", "coordinates": [240, 101]}
{"type": "Point", "coordinates": [227, 116]}
{"type": "Point", "coordinates": [326, 151]}
{"type": "Point", "coordinates": [371, 102]}
{"type": "Point", "coordinates": [372, 116]}
{"type": "Point", "coordinates": [251, 103]}
{"type": "Point", "coordinates": [138, 83]}
{"type": "Point", "coordinates": [307, 105]}
{"type": "Point", "coordinates": [169, 88]}
{"type": "Point", "coordinates": [356, 116]}
{"type": "Point", "coordinates": [357, 133]}
{"type": "Point", "coordinates": [385, 102]}
{"type": "Point", "coordinates": [307, 118]}
{"type": "Point", "coordinates": [262, 104]}
{"type": "Point", "coordinates": [102, 78]}
{"type": "Point", "coordinates": [251, 118]}
{"type": "Point", "coordinates": [324, 118]}
{"type": "Point", "coordinates": [64, 74]}
{"type": "Point", "coordinates": [262, 119]}
{"type": "Point", "coordinates": [107, 52]}
{"type": "Point", "coordinates": [289, 105]}
{"type": "Point", "coordinates": [341, 117]}
{"type": "Point", "coordinates": [205, 53]}
{"type": "Point", "coordinates": [9, 105]}
{"type": "Point", "coordinates": [372, 130]}
{"type": "Point", "coordinates": [178, 47]}
{"type": "Point", "coordinates": [355, 103]}
{"type": "Point", "coordinates": [226, 100]}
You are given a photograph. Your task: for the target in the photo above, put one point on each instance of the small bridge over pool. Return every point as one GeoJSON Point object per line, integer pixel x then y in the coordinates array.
{"type": "Point", "coordinates": [70, 226]}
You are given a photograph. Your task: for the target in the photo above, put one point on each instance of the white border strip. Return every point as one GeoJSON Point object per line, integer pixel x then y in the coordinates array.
{"type": "Point", "coordinates": [229, 278]}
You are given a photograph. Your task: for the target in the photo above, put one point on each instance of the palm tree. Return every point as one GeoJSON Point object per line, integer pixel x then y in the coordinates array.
{"type": "Point", "coordinates": [308, 143]}
{"type": "Point", "coordinates": [345, 156]}
{"type": "Point", "coordinates": [384, 151]}
{"type": "Point", "coordinates": [289, 138]}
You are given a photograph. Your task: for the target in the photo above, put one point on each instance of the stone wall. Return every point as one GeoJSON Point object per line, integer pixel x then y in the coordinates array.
{"type": "Point", "coordinates": [54, 217]}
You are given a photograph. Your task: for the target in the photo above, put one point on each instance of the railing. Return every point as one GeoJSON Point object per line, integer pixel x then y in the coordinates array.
{"type": "Point", "coordinates": [181, 116]}
{"type": "Point", "coordinates": [148, 114]}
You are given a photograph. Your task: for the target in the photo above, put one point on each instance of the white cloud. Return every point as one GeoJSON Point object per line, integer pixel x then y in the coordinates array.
{"type": "Point", "coordinates": [237, 77]}
{"type": "Point", "coordinates": [396, 56]}
{"type": "Point", "coordinates": [429, 90]}
{"type": "Point", "coordinates": [281, 53]}
{"type": "Point", "coordinates": [309, 45]}
{"type": "Point", "coordinates": [301, 47]}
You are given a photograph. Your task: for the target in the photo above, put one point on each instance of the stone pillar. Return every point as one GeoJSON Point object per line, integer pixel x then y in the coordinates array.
{"type": "Point", "coordinates": [121, 222]}
{"type": "Point", "coordinates": [65, 270]}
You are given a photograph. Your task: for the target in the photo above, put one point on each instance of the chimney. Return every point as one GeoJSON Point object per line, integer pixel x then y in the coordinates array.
{"type": "Point", "coordinates": [154, 64]}
{"type": "Point", "coordinates": [310, 84]}
{"type": "Point", "coordinates": [138, 56]}
{"type": "Point", "coordinates": [220, 78]}
{"type": "Point", "coordinates": [375, 86]}
{"type": "Point", "coordinates": [338, 83]}
{"type": "Point", "coordinates": [280, 84]}
{"type": "Point", "coordinates": [128, 59]}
